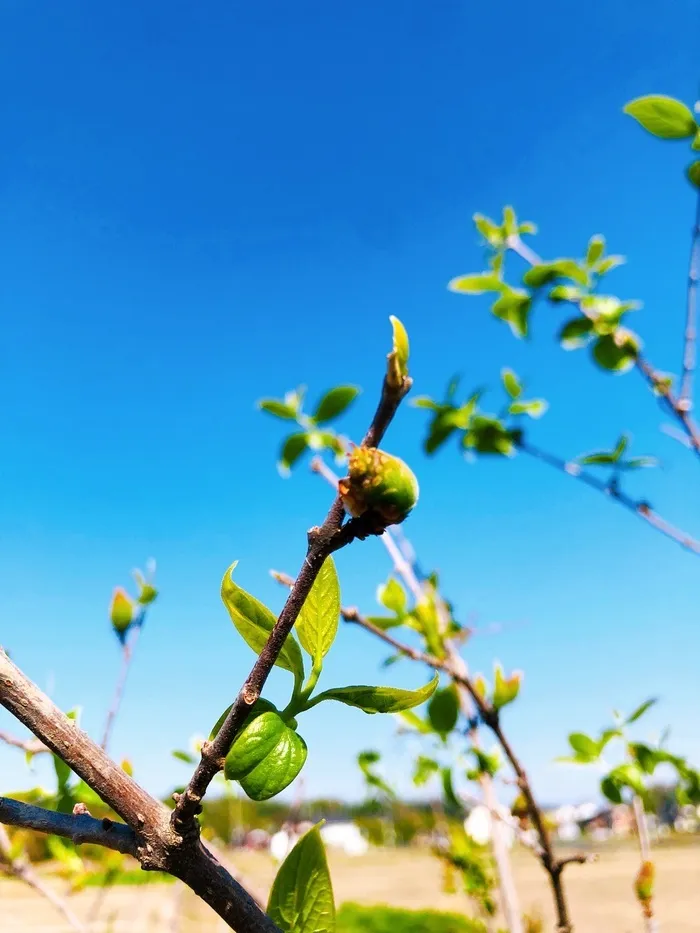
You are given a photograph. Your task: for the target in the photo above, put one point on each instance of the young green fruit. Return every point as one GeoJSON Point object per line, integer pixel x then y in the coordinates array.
{"type": "Point", "coordinates": [380, 483]}
{"type": "Point", "coordinates": [266, 756]}
{"type": "Point", "coordinates": [121, 612]}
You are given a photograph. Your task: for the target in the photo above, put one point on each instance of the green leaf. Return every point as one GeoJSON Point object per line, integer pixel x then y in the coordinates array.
{"type": "Point", "coordinates": [317, 624]}
{"type": "Point", "coordinates": [511, 383]}
{"type": "Point", "coordinates": [535, 408]}
{"type": "Point", "coordinates": [639, 463]}
{"type": "Point", "coordinates": [380, 699]}
{"type": "Point", "coordinates": [184, 756]}
{"type": "Point", "coordinates": [401, 345]}
{"type": "Point", "coordinates": [443, 710]}
{"type": "Point", "coordinates": [629, 775]}
{"type": "Point", "coordinates": [576, 333]}
{"type": "Point", "coordinates": [647, 758]}
{"type": "Point", "coordinates": [490, 231]}
{"type": "Point", "coordinates": [514, 308]}
{"type": "Point", "coordinates": [385, 622]}
{"type": "Point", "coordinates": [527, 228]}
{"type": "Point", "coordinates": [301, 899]}
{"type": "Point", "coordinates": [452, 801]}
{"type": "Point", "coordinates": [506, 689]}
{"type": "Point", "coordinates": [640, 711]}
{"type": "Point", "coordinates": [278, 409]}
{"type": "Point", "coordinates": [424, 770]}
{"type": "Point", "coordinates": [546, 272]}
{"type": "Point", "coordinates": [334, 403]}
{"type": "Point", "coordinates": [254, 622]}
{"type": "Point", "coordinates": [616, 352]}
{"type": "Point", "coordinates": [596, 248]}
{"type": "Point", "coordinates": [489, 436]}
{"type": "Point", "coordinates": [566, 293]}
{"type": "Point", "coordinates": [510, 221]}
{"type": "Point", "coordinates": [292, 448]}
{"type": "Point", "coordinates": [621, 447]}
{"type": "Point", "coordinates": [693, 173]}
{"type": "Point", "coordinates": [265, 757]}
{"type": "Point", "coordinates": [413, 721]}
{"type": "Point", "coordinates": [607, 736]}
{"type": "Point", "coordinates": [584, 746]}
{"type": "Point", "coordinates": [393, 596]}
{"type": "Point", "coordinates": [611, 789]}
{"type": "Point", "coordinates": [663, 117]}
{"type": "Point", "coordinates": [63, 773]}
{"type": "Point", "coordinates": [475, 284]}
{"type": "Point", "coordinates": [600, 458]}
{"type": "Point", "coordinates": [608, 264]}
{"type": "Point", "coordinates": [424, 401]}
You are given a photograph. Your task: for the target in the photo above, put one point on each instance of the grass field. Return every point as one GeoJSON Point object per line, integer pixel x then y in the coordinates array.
{"type": "Point", "coordinates": [600, 893]}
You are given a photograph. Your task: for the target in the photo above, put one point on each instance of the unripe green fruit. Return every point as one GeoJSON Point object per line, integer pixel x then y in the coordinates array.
{"type": "Point", "coordinates": [380, 483]}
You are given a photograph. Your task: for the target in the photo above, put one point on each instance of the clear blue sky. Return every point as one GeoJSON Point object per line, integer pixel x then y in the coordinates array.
{"type": "Point", "coordinates": [205, 204]}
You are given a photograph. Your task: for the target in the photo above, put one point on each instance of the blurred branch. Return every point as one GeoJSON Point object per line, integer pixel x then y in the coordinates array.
{"type": "Point", "coordinates": [639, 508]}
{"type": "Point", "coordinates": [686, 389]}
{"type": "Point", "coordinates": [19, 867]}
{"type": "Point", "coordinates": [30, 746]}
{"type": "Point", "coordinates": [127, 658]}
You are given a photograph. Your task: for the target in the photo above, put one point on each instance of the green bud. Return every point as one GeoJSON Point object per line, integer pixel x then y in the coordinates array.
{"type": "Point", "coordinates": [506, 689]}
{"type": "Point", "coordinates": [121, 612]}
{"type": "Point", "coordinates": [147, 592]}
{"type": "Point", "coordinates": [378, 482]}
{"type": "Point", "coordinates": [644, 886]}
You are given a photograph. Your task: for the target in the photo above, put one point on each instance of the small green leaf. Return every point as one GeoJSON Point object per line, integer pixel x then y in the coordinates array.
{"type": "Point", "coordinates": [278, 409]}
{"type": "Point", "coordinates": [546, 272]}
{"type": "Point", "coordinates": [596, 248]}
{"type": "Point", "coordinates": [621, 447]}
{"type": "Point", "coordinates": [317, 624]}
{"type": "Point", "coordinates": [510, 221]}
{"type": "Point", "coordinates": [608, 264]}
{"type": "Point", "coordinates": [640, 711]}
{"type": "Point", "coordinates": [292, 448]}
{"type": "Point", "coordinates": [393, 596]}
{"type": "Point", "coordinates": [693, 173]}
{"type": "Point", "coordinates": [639, 463]}
{"type": "Point", "coordinates": [490, 231]}
{"type": "Point", "coordinates": [265, 757]}
{"type": "Point", "coordinates": [616, 352]}
{"type": "Point", "coordinates": [385, 622]}
{"type": "Point", "coordinates": [489, 436]}
{"type": "Point", "coordinates": [380, 699]}
{"type": "Point", "coordinates": [443, 710]}
{"type": "Point", "coordinates": [475, 284]}
{"type": "Point", "coordinates": [451, 800]}
{"type": "Point", "coordinates": [506, 689]}
{"type": "Point", "coordinates": [334, 403]}
{"type": "Point", "coordinates": [511, 383]}
{"type": "Point", "coordinates": [254, 622]}
{"type": "Point", "coordinates": [566, 293]}
{"type": "Point", "coordinates": [413, 721]}
{"type": "Point", "coordinates": [584, 746]}
{"type": "Point", "coordinates": [576, 333]}
{"type": "Point", "coordinates": [424, 770]}
{"type": "Point", "coordinates": [401, 344]}
{"type": "Point", "coordinates": [534, 408]}
{"type": "Point", "coordinates": [301, 899]}
{"type": "Point", "coordinates": [629, 775]}
{"type": "Point", "coordinates": [611, 790]}
{"type": "Point", "coordinates": [600, 458]}
{"type": "Point", "coordinates": [647, 758]}
{"type": "Point", "coordinates": [184, 756]}
{"type": "Point", "coordinates": [424, 401]}
{"type": "Point", "coordinates": [514, 308]}
{"type": "Point", "coordinates": [527, 228]}
{"type": "Point", "coordinates": [663, 116]}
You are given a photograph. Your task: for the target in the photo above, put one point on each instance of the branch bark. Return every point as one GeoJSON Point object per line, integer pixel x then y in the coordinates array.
{"type": "Point", "coordinates": [689, 346]}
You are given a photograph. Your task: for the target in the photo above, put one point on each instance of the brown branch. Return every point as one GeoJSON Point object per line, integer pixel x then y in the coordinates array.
{"type": "Point", "coordinates": [19, 867]}
{"type": "Point", "coordinates": [80, 827]}
{"type": "Point", "coordinates": [127, 658]}
{"type": "Point", "coordinates": [637, 507]}
{"type": "Point", "coordinates": [677, 406]}
{"type": "Point", "coordinates": [322, 541]}
{"type": "Point", "coordinates": [158, 847]}
{"type": "Point", "coordinates": [686, 389]}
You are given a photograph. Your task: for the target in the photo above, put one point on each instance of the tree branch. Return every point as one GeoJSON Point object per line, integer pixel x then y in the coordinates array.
{"type": "Point", "coordinates": [127, 658]}
{"type": "Point", "coordinates": [686, 389]}
{"type": "Point", "coordinates": [80, 827]}
{"type": "Point", "coordinates": [638, 508]}
{"type": "Point", "coordinates": [30, 746]}
{"type": "Point", "coordinates": [21, 869]}
{"type": "Point", "coordinates": [158, 847]}
{"type": "Point", "coordinates": [322, 542]}
{"type": "Point", "coordinates": [677, 406]}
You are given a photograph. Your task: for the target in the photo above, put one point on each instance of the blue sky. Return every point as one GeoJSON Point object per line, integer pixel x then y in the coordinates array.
{"type": "Point", "coordinates": [202, 205]}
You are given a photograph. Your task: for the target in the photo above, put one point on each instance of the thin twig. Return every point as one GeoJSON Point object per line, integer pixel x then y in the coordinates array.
{"type": "Point", "coordinates": [30, 746]}
{"type": "Point", "coordinates": [127, 658]}
{"type": "Point", "coordinates": [685, 397]}
{"type": "Point", "coordinates": [20, 868]}
{"type": "Point", "coordinates": [638, 507]}
{"type": "Point", "coordinates": [322, 542]}
{"type": "Point", "coordinates": [654, 379]}
{"type": "Point", "coordinates": [650, 921]}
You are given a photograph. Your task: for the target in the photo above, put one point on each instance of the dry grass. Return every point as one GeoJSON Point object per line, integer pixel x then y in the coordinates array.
{"type": "Point", "coordinates": [600, 893]}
